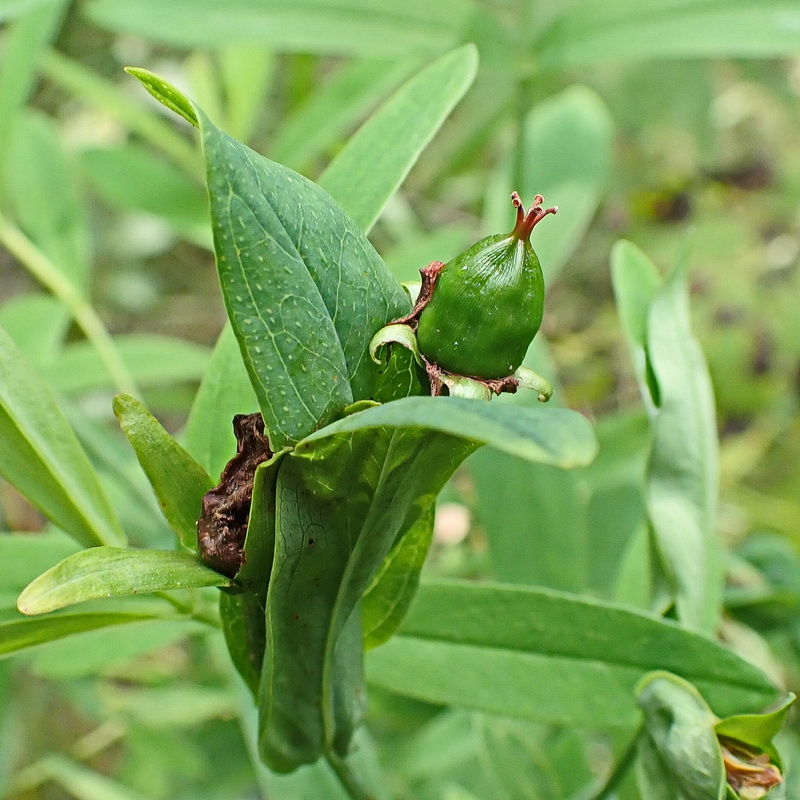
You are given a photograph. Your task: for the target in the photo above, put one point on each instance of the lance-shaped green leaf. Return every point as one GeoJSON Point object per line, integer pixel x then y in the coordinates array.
{"type": "Point", "coordinates": [682, 474]}
{"type": "Point", "coordinates": [636, 282]}
{"type": "Point", "coordinates": [178, 481]}
{"type": "Point", "coordinates": [515, 653]}
{"type": "Point", "coordinates": [389, 596]}
{"type": "Point", "coordinates": [366, 173]}
{"type": "Point", "coordinates": [343, 27]}
{"type": "Point", "coordinates": [614, 30]}
{"type": "Point", "coordinates": [304, 289]}
{"type": "Point", "coordinates": [679, 747]}
{"type": "Point", "coordinates": [113, 572]}
{"type": "Point", "coordinates": [41, 457]}
{"type": "Point", "coordinates": [557, 436]}
{"type": "Point", "coordinates": [22, 634]}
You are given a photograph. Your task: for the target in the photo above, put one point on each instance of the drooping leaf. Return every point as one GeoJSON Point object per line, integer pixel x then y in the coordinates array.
{"type": "Point", "coordinates": [547, 435]}
{"type": "Point", "coordinates": [113, 572]}
{"type": "Point", "coordinates": [363, 27]}
{"type": "Point", "coordinates": [366, 173]}
{"type": "Point", "coordinates": [242, 614]}
{"type": "Point", "coordinates": [625, 30]}
{"type": "Point", "coordinates": [178, 481]}
{"type": "Point", "coordinates": [40, 455]}
{"type": "Point", "coordinates": [515, 653]}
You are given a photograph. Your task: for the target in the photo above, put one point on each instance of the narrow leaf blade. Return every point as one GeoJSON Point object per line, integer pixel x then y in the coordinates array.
{"type": "Point", "coordinates": [114, 572]}
{"type": "Point", "coordinates": [40, 455]}
{"type": "Point", "coordinates": [178, 481]}
{"type": "Point", "coordinates": [366, 173]}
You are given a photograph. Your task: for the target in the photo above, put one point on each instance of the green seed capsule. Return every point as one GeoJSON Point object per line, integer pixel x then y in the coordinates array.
{"type": "Point", "coordinates": [486, 305]}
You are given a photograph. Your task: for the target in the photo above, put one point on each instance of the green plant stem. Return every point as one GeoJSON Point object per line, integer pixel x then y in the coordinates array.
{"type": "Point", "coordinates": [347, 778]}
{"type": "Point", "coordinates": [620, 770]}
{"type": "Point", "coordinates": [75, 78]}
{"type": "Point", "coordinates": [46, 272]}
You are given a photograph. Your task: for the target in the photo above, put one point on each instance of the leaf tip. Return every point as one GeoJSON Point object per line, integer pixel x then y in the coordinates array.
{"type": "Point", "coordinates": [166, 94]}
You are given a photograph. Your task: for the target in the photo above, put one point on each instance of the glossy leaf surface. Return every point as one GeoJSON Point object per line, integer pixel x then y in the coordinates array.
{"type": "Point", "coordinates": [114, 572]}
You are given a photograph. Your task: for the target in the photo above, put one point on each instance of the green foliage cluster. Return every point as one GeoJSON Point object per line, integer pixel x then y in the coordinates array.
{"type": "Point", "coordinates": [614, 644]}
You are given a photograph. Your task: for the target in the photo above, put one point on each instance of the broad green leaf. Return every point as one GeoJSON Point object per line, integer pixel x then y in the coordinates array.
{"type": "Point", "coordinates": [290, 263]}
{"type": "Point", "coordinates": [114, 572]}
{"type": "Point", "coordinates": [41, 457]}
{"type": "Point", "coordinates": [342, 502]}
{"type": "Point", "coordinates": [178, 481]}
{"type": "Point", "coordinates": [333, 108]}
{"type": "Point", "coordinates": [366, 172]}
{"type": "Point", "coordinates": [224, 392]}
{"type": "Point", "coordinates": [549, 435]}
{"type": "Point", "coordinates": [679, 727]}
{"type": "Point", "coordinates": [132, 177]}
{"type": "Point", "coordinates": [342, 27]}
{"type": "Point", "coordinates": [37, 323]}
{"type": "Point", "coordinates": [566, 146]}
{"type": "Point", "coordinates": [22, 634]}
{"type": "Point", "coordinates": [43, 191]}
{"type": "Point", "coordinates": [515, 653]}
{"type": "Point", "coordinates": [623, 30]}
{"type": "Point", "coordinates": [683, 471]}
{"type": "Point", "coordinates": [389, 596]}
{"type": "Point", "coordinates": [152, 360]}
{"type": "Point", "coordinates": [24, 41]}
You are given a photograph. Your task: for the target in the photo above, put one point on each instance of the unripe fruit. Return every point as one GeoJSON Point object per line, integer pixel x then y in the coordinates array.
{"type": "Point", "coordinates": [487, 303]}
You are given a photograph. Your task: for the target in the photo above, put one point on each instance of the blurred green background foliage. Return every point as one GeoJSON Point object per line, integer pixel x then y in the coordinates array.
{"type": "Point", "coordinates": [670, 123]}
